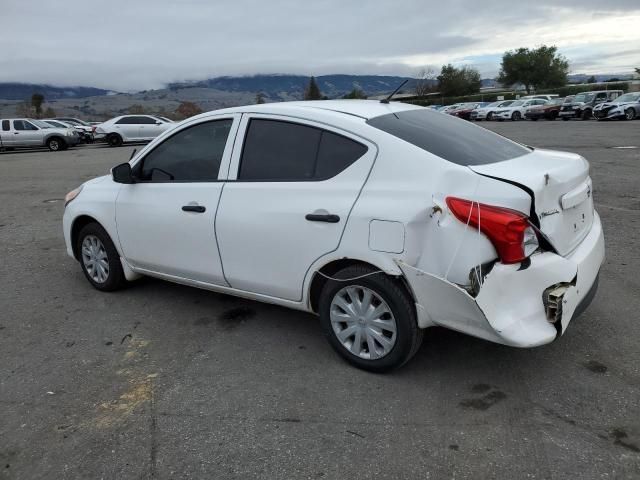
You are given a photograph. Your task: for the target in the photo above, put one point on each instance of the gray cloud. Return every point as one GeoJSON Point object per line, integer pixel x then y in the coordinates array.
{"type": "Point", "coordinates": [141, 44]}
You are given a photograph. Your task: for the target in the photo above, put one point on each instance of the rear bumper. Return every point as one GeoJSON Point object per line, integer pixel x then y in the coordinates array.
{"type": "Point", "coordinates": [509, 308]}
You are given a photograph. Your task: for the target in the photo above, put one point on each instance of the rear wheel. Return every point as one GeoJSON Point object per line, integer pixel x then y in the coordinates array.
{"type": "Point", "coordinates": [369, 319]}
{"type": "Point", "coordinates": [586, 115]}
{"type": "Point", "coordinates": [54, 144]}
{"type": "Point", "coordinates": [565, 119]}
{"type": "Point", "coordinates": [629, 114]}
{"type": "Point", "coordinates": [99, 258]}
{"type": "Point", "coordinates": [114, 140]}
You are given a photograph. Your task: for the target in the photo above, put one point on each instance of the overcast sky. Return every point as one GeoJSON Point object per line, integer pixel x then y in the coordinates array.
{"type": "Point", "coordinates": [142, 44]}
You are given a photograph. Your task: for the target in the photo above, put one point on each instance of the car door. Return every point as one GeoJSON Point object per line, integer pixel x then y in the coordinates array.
{"type": "Point", "coordinates": [291, 188]}
{"type": "Point", "coordinates": [165, 221]}
{"type": "Point", "coordinates": [128, 128]}
{"type": "Point", "coordinates": [149, 127]}
{"type": "Point", "coordinates": [26, 133]}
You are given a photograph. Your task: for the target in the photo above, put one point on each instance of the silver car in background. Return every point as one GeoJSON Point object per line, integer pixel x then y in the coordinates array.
{"type": "Point", "coordinates": [625, 107]}
{"type": "Point", "coordinates": [27, 132]}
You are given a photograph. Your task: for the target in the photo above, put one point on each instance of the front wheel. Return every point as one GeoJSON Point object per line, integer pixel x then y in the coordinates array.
{"type": "Point", "coordinates": [490, 116]}
{"type": "Point", "coordinates": [369, 319]}
{"type": "Point", "coordinates": [99, 258]}
{"type": "Point", "coordinates": [55, 144]}
{"type": "Point", "coordinates": [629, 114]}
{"type": "Point", "coordinates": [586, 115]}
{"type": "Point", "coordinates": [516, 116]}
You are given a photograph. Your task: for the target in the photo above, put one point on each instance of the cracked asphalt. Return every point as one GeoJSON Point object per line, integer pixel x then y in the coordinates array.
{"type": "Point", "coordinates": [165, 381]}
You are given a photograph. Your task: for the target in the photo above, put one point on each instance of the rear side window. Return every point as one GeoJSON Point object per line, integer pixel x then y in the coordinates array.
{"type": "Point", "coordinates": [275, 150]}
{"type": "Point", "coordinates": [5, 125]}
{"type": "Point", "coordinates": [452, 139]}
{"type": "Point", "coordinates": [146, 120]}
{"type": "Point", "coordinates": [191, 155]}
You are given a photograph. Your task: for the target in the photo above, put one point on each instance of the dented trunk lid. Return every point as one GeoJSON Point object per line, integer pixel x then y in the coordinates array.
{"type": "Point", "coordinates": [560, 186]}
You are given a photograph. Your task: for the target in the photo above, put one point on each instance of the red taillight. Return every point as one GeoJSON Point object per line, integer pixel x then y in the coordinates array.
{"type": "Point", "coordinates": [508, 230]}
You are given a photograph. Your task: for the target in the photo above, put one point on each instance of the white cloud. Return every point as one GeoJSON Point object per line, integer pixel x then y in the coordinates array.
{"type": "Point", "coordinates": [140, 44]}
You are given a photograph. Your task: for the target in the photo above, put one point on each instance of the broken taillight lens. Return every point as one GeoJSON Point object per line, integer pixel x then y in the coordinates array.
{"type": "Point", "coordinates": [509, 231]}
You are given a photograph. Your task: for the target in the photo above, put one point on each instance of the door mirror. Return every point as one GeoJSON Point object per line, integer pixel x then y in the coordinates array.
{"type": "Point", "coordinates": [122, 173]}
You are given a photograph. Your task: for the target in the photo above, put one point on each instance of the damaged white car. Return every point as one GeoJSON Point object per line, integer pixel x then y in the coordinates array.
{"type": "Point", "coordinates": [383, 219]}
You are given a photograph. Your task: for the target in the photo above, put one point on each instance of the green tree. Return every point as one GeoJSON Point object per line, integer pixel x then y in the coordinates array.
{"type": "Point", "coordinates": [260, 98]}
{"type": "Point", "coordinates": [454, 81]}
{"type": "Point", "coordinates": [187, 109]}
{"type": "Point", "coordinates": [312, 92]}
{"type": "Point", "coordinates": [49, 113]}
{"type": "Point", "coordinates": [356, 93]}
{"type": "Point", "coordinates": [542, 67]}
{"type": "Point", "coordinates": [591, 79]}
{"type": "Point", "coordinates": [36, 102]}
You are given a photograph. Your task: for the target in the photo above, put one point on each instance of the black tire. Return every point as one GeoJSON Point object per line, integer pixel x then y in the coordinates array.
{"type": "Point", "coordinates": [534, 119]}
{"type": "Point", "coordinates": [489, 116]}
{"type": "Point", "coordinates": [565, 119]}
{"type": "Point", "coordinates": [408, 335]}
{"type": "Point", "coordinates": [586, 114]}
{"type": "Point", "coordinates": [516, 116]}
{"type": "Point", "coordinates": [114, 140]}
{"type": "Point", "coordinates": [115, 278]}
{"type": "Point", "coordinates": [56, 144]}
{"type": "Point", "coordinates": [629, 114]}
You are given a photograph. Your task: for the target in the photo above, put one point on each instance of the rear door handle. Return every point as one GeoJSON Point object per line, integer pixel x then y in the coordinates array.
{"type": "Point", "coordinates": [322, 217]}
{"type": "Point", "coordinates": [194, 208]}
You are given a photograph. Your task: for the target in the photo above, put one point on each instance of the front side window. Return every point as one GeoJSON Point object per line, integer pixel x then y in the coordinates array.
{"type": "Point", "coordinates": [191, 155]}
{"type": "Point", "coordinates": [447, 137]}
{"type": "Point", "coordinates": [23, 125]}
{"type": "Point", "coordinates": [125, 121]}
{"type": "Point", "coordinates": [276, 150]}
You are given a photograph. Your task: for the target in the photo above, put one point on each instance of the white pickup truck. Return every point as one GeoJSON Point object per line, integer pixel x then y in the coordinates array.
{"type": "Point", "coordinates": [27, 132]}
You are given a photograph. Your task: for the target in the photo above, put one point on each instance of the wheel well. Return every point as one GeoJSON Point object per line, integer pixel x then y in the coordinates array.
{"type": "Point", "coordinates": [318, 282]}
{"type": "Point", "coordinates": [78, 224]}
{"type": "Point", "coordinates": [57, 137]}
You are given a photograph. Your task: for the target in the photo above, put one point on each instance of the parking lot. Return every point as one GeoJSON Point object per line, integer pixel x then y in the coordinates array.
{"type": "Point", "coordinates": [166, 381]}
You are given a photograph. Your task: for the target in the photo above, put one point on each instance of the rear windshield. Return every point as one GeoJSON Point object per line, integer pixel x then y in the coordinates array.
{"type": "Point", "coordinates": [453, 139]}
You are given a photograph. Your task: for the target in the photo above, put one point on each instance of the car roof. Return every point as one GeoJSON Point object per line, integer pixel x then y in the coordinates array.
{"type": "Point", "coordinates": [365, 109]}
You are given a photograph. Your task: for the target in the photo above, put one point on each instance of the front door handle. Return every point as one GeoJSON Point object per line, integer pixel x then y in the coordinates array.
{"type": "Point", "coordinates": [322, 217]}
{"type": "Point", "coordinates": [194, 208]}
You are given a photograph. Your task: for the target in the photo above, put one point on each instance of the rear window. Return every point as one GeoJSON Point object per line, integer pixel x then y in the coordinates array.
{"type": "Point", "coordinates": [452, 139]}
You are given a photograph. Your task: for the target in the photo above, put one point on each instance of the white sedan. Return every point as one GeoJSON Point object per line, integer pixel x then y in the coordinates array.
{"type": "Point", "coordinates": [132, 128]}
{"type": "Point", "coordinates": [516, 110]}
{"type": "Point", "coordinates": [383, 219]}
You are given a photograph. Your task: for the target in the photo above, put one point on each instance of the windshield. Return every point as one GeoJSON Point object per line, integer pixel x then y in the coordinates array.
{"type": "Point", "coordinates": [583, 97]}
{"type": "Point", "coordinates": [41, 124]}
{"type": "Point", "coordinates": [628, 97]}
{"type": "Point", "coordinates": [447, 137]}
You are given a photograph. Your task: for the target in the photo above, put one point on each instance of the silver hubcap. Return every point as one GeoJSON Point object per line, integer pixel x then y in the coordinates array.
{"type": "Point", "coordinates": [54, 145]}
{"type": "Point", "coordinates": [94, 258]}
{"type": "Point", "coordinates": [630, 114]}
{"type": "Point", "coordinates": [363, 322]}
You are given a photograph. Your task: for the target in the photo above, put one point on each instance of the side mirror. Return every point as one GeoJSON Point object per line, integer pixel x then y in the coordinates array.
{"type": "Point", "coordinates": [122, 173]}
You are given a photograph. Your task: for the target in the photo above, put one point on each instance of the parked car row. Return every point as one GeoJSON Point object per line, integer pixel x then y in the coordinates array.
{"type": "Point", "coordinates": [62, 133]}
{"type": "Point", "coordinates": [601, 105]}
